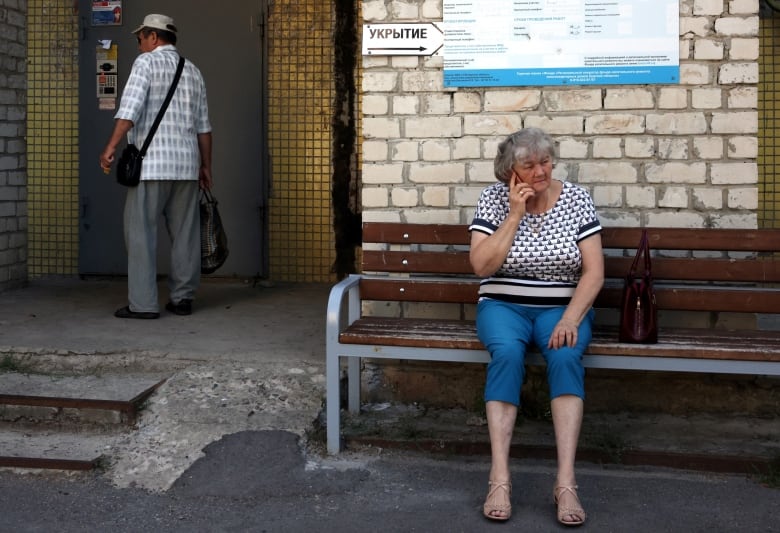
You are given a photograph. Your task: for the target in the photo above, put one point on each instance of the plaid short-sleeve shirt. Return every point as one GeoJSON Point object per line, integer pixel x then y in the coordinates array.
{"type": "Point", "coordinates": [173, 153]}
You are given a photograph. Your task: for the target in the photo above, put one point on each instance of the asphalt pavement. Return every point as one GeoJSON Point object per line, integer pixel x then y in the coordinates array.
{"type": "Point", "coordinates": [224, 444]}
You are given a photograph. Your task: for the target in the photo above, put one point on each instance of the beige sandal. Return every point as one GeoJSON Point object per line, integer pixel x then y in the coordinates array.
{"type": "Point", "coordinates": [491, 507]}
{"type": "Point", "coordinates": [579, 512]}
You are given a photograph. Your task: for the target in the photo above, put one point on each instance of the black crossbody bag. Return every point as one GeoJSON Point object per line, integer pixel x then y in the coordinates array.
{"type": "Point", "coordinates": [128, 170]}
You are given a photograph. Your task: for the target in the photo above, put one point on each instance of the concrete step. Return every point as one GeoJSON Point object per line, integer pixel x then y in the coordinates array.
{"type": "Point", "coordinates": [66, 422]}
{"type": "Point", "coordinates": [105, 398]}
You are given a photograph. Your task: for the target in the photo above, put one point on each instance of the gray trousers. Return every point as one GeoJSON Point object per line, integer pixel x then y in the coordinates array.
{"type": "Point", "coordinates": [177, 202]}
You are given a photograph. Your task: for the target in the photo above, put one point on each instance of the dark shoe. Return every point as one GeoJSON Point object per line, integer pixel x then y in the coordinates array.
{"type": "Point", "coordinates": [125, 312]}
{"type": "Point", "coordinates": [182, 308]}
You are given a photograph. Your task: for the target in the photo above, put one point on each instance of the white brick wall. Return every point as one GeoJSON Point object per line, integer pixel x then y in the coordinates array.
{"type": "Point", "coordinates": [13, 148]}
{"type": "Point", "coordinates": [667, 155]}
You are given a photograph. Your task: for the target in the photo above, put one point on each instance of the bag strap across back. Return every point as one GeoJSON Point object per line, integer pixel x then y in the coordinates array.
{"type": "Point", "coordinates": [168, 97]}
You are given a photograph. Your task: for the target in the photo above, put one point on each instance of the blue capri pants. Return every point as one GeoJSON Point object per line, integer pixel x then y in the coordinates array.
{"type": "Point", "coordinates": [508, 329]}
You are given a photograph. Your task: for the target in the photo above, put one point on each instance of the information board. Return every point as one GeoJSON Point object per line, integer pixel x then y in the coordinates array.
{"type": "Point", "coordinates": [560, 42]}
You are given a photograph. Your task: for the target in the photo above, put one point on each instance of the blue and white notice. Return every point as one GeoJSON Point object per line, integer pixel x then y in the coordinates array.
{"type": "Point", "coordinates": [561, 42]}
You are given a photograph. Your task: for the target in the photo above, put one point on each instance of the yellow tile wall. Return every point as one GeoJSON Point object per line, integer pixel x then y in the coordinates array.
{"type": "Point", "coordinates": [300, 96]}
{"type": "Point", "coordinates": [52, 138]}
{"type": "Point", "coordinates": [769, 123]}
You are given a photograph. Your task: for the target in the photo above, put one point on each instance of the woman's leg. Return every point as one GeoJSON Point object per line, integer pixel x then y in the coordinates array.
{"type": "Point", "coordinates": [505, 331]}
{"type": "Point", "coordinates": [565, 375]}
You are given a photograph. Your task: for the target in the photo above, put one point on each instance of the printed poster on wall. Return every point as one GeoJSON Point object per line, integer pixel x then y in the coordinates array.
{"type": "Point", "coordinates": [560, 42]}
{"type": "Point", "coordinates": [107, 13]}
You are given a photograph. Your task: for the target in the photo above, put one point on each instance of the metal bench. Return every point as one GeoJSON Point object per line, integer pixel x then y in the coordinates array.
{"type": "Point", "coordinates": [713, 271]}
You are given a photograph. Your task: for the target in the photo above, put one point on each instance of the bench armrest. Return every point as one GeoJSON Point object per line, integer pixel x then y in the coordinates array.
{"type": "Point", "coordinates": [343, 306]}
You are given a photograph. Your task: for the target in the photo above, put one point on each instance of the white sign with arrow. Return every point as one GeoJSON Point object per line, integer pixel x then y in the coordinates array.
{"type": "Point", "coordinates": [417, 39]}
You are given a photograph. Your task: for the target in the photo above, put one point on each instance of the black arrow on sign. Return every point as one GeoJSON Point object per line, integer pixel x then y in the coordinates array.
{"type": "Point", "coordinates": [421, 48]}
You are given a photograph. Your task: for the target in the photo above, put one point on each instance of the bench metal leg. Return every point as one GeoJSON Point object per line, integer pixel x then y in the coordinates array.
{"type": "Point", "coordinates": [353, 384]}
{"type": "Point", "coordinates": [332, 403]}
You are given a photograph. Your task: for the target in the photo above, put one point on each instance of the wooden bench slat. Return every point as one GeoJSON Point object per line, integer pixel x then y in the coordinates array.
{"type": "Point", "coordinates": [394, 233]}
{"type": "Point", "coordinates": [675, 342]}
{"type": "Point", "coordinates": [414, 290]}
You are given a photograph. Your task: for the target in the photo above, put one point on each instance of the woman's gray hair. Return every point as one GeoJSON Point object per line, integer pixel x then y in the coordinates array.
{"type": "Point", "coordinates": [522, 144]}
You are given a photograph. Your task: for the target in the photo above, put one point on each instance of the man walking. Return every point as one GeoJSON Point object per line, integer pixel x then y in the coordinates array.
{"type": "Point", "coordinates": [176, 166]}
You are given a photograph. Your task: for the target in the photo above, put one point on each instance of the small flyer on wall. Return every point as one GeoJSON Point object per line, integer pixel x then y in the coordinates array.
{"type": "Point", "coordinates": [107, 13]}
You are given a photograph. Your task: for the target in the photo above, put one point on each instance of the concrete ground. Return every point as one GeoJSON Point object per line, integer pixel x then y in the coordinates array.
{"type": "Point", "coordinates": [226, 442]}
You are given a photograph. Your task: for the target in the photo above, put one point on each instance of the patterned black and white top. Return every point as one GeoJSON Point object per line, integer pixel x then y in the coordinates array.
{"type": "Point", "coordinates": [544, 264]}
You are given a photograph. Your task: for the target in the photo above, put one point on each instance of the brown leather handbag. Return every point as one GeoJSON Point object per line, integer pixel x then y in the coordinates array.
{"type": "Point", "coordinates": [639, 312]}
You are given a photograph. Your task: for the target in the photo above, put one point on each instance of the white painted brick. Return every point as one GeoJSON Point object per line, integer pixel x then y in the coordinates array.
{"type": "Point", "coordinates": [708, 50]}
{"type": "Point", "coordinates": [432, 9]}
{"type": "Point", "coordinates": [573, 100]}
{"type": "Point", "coordinates": [424, 81]}
{"type": "Point", "coordinates": [467, 196]}
{"type": "Point", "coordinates": [607, 148]}
{"type": "Point", "coordinates": [466, 148]}
{"type": "Point", "coordinates": [742, 147]}
{"type": "Point", "coordinates": [433, 127]}
{"type": "Point", "coordinates": [511, 100]}
{"type": "Point", "coordinates": [744, 49]}
{"type": "Point", "coordinates": [375, 104]}
{"type": "Point", "coordinates": [380, 174]}
{"type": "Point", "coordinates": [620, 98]}
{"type": "Point", "coordinates": [736, 122]}
{"type": "Point", "coordinates": [374, 197]}
{"type": "Point", "coordinates": [437, 196]}
{"type": "Point", "coordinates": [401, 11]}
{"type": "Point", "coordinates": [744, 26]}
{"type": "Point", "coordinates": [491, 124]}
{"type": "Point", "coordinates": [405, 105]}
{"type": "Point", "coordinates": [677, 123]}
{"type": "Point", "coordinates": [734, 173]}
{"type": "Point", "coordinates": [738, 73]}
{"type": "Point", "coordinates": [436, 104]}
{"type": "Point", "coordinates": [676, 197]}
{"type": "Point", "coordinates": [639, 196]}
{"type": "Point", "coordinates": [573, 125]}
{"type": "Point", "coordinates": [613, 218]}
{"type": "Point", "coordinates": [374, 10]}
{"type": "Point", "coordinates": [673, 98]}
{"type": "Point", "coordinates": [565, 171]}
{"type": "Point", "coordinates": [379, 81]}
{"type": "Point", "coordinates": [695, 74]}
{"type": "Point", "coordinates": [706, 98]}
{"type": "Point", "coordinates": [743, 7]}
{"type": "Point", "coordinates": [405, 151]}
{"type": "Point", "coordinates": [675, 172]}
{"type": "Point", "coordinates": [685, 49]}
{"type": "Point", "coordinates": [695, 26]}
{"type": "Point", "coordinates": [707, 7]}
{"type": "Point", "coordinates": [746, 221]}
{"type": "Point", "coordinates": [606, 173]}
{"type": "Point", "coordinates": [615, 124]}
{"type": "Point", "coordinates": [608, 195]}
{"type": "Point", "coordinates": [375, 150]}
{"type": "Point", "coordinates": [743, 97]}
{"type": "Point", "coordinates": [639, 147]}
{"type": "Point", "coordinates": [432, 216]}
{"type": "Point", "coordinates": [437, 173]}
{"type": "Point", "coordinates": [743, 198]}
{"type": "Point", "coordinates": [370, 215]}
{"type": "Point", "coordinates": [404, 197]}
{"type": "Point", "coordinates": [481, 172]}
{"type": "Point", "coordinates": [435, 61]}
{"type": "Point", "coordinates": [436, 150]}
{"type": "Point", "coordinates": [673, 148]}
{"type": "Point", "coordinates": [490, 147]}
{"type": "Point", "coordinates": [708, 147]}
{"type": "Point", "coordinates": [467, 215]}
{"type": "Point", "coordinates": [675, 219]}
{"type": "Point", "coordinates": [464, 102]}
{"type": "Point", "coordinates": [381, 128]}
{"type": "Point", "coordinates": [571, 148]}
{"type": "Point", "coordinates": [404, 62]}
{"type": "Point", "coordinates": [707, 198]}
{"type": "Point", "coordinates": [370, 62]}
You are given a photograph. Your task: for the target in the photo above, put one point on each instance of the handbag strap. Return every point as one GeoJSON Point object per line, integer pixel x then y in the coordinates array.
{"type": "Point", "coordinates": [164, 107]}
{"type": "Point", "coordinates": [642, 250]}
